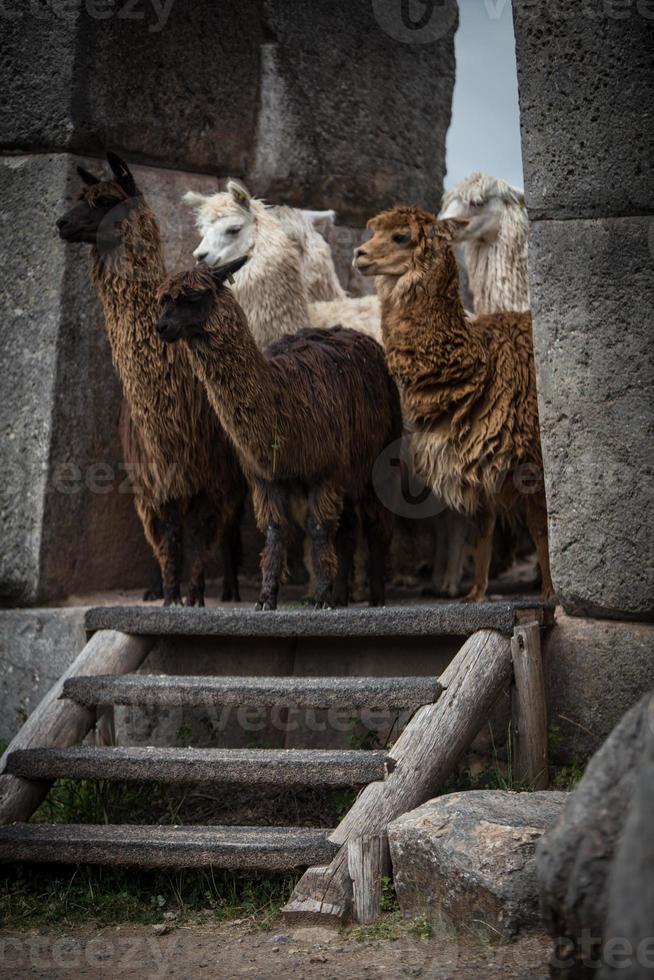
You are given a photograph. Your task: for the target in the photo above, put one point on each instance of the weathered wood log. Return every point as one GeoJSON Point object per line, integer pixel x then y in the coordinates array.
{"type": "Point", "coordinates": [162, 764]}
{"type": "Point", "coordinates": [368, 861]}
{"type": "Point", "coordinates": [270, 848]}
{"type": "Point", "coordinates": [307, 692]}
{"type": "Point", "coordinates": [528, 708]}
{"type": "Point", "coordinates": [425, 754]}
{"type": "Point", "coordinates": [61, 723]}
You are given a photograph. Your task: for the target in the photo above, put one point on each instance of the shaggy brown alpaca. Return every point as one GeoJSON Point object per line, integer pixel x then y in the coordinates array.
{"type": "Point", "coordinates": [468, 386]}
{"type": "Point", "coordinates": [309, 416]}
{"type": "Point", "coordinates": [185, 474]}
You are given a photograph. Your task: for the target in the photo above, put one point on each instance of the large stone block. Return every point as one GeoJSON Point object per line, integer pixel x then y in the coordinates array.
{"type": "Point", "coordinates": [587, 105]}
{"type": "Point", "coordinates": [36, 647]}
{"type": "Point", "coordinates": [595, 670]}
{"type": "Point", "coordinates": [593, 293]}
{"type": "Point", "coordinates": [355, 105]}
{"type": "Point", "coordinates": [159, 81]}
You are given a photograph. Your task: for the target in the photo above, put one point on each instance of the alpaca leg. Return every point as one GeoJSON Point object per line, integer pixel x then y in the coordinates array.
{"type": "Point", "coordinates": [346, 536]}
{"type": "Point", "coordinates": [271, 511]}
{"type": "Point", "coordinates": [456, 552]}
{"type": "Point", "coordinates": [231, 550]}
{"type": "Point", "coordinates": [155, 590]}
{"type": "Point", "coordinates": [378, 531]}
{"type": "Point", "coordinates": [201, 534]}
{"type": "Point", "coordinates": [166, 537]}
{"type": "Point", "coordinates": [325, 510]}
{"type": "Point", "coordinates": [483, 552]}
{"type": "Point", "coordinates": [536, 510]}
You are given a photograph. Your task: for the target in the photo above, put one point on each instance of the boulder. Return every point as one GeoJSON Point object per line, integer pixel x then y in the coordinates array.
{"type": "Point", "coordinates": [467, 860]}
{"type": "Point", "coordinates": [574, 858]}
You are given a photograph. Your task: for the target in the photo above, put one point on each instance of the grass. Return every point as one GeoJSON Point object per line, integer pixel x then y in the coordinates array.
{"type": "Point", "coordinates": [32, 896]}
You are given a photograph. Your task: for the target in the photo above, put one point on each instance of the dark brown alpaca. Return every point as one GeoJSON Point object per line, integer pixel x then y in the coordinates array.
{"type": "Point", "coordinates": [309, 416]}
{"type": "Point", "coordinates": [188, 486]}
{"type": "Point", "coordinates": [468, 386]}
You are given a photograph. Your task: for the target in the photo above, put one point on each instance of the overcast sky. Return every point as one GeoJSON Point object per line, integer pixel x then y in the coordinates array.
{"type": "Point", "coordinates": [485, 130]}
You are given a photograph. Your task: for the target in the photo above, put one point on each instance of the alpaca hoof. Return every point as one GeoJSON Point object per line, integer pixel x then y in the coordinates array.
{"type": "Point", "coordinates": [173, 602]}
{"type": "Point", "coordinates": [152, 595]}
{"type": "Point", "coordinates": [231, 595]}
{"type": "Point", "coordinates": [474, 596]}
{"type": "Point", "coordinates": [377, 603]}
{"type": "Point", "coordinates": [325, 604]}
{"type": "Point", "coordinates": [267, 605]}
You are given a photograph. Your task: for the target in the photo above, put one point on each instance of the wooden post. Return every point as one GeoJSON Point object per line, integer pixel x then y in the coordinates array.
{"type": "Point", "coordinates": [368, 861]}
{"type": "Point", "coordinates": [62, 723]}
{"type": "Point", "coordinates": [528, 708]}
{"type": "Point", "coordinates": [426, 753]}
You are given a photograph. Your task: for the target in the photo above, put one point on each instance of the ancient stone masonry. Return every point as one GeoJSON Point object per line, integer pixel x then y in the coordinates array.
{"type": "Point", "coordinates": [323, 105]}
{"type": "Point", "coordinates": [587, 116]}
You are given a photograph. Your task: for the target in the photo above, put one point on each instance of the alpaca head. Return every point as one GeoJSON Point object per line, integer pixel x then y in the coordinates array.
{"type": "Point", "coordinates": [485, 201]}
{"type": "Point", "coordinates": [189, 300]}
{"type": "Point", "coordinates": [409, 241]}
{"type": "Point", "coordinates": [227, 223]}
{"type": "Point", "coordinates": [101, 207]}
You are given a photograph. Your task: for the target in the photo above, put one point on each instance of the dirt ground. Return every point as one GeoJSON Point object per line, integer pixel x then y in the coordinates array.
{"type": "Point", "coordinates": [228, 950]}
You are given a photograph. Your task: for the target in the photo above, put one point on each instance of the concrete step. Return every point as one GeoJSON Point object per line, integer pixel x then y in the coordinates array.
{"type": "Point", "coordinates": [434, 619]}
{"type": "Point", "coordinates": [306, 692]}
{"type": "Point", "coordinates": [270, 848]}
{"type": "Point", "coordinates": [287, 767]}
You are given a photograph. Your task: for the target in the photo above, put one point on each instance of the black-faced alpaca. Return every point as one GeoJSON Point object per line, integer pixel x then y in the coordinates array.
{"type": "Point", "coordinates": [188, 486]}
{"type": "Point", "coordinates": [308, 416]}
{"type": "Point", "coordinates": [468, 386]}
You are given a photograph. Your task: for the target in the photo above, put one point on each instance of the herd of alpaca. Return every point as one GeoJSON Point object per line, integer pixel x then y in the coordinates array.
{"type": "Point", "coordinates": [256, 372]}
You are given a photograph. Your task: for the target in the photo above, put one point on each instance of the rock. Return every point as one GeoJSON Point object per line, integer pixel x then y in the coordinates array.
{"type": "Point", "coordinates": [584, 70]}
{"type": "Point", "coordinates": [574, 858]}
{"type": "Point", "coordinates": [468, 858]}
{"type": "Point", "coordinates": [628, 944]}
{"type": "Point", "coordinates": [592, 292]}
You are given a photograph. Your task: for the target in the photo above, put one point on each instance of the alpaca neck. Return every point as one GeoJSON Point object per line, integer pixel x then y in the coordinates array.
{"type": "Point", "coordinates": [241, 388]}
{"type": "Point", "coordinates": [430, 348]}
{"type": "Point", "coordinates": [127, 279]}
{"type": "Point", "coordinates": [498, 270]}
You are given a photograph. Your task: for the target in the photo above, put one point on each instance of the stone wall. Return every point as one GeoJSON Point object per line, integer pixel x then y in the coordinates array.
{"type": "Point", "coordinates": [324, 105]}
{"type": "Point", "coordinates": [587, 116]}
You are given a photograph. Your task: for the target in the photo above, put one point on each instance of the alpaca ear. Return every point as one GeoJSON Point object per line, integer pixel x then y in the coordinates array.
{"type": "Point", "coordinates": [88, 178]}
{"type": "Point", "coordinates": [122, 174]}
{"type": "Point", "coordinates": [240, 193]}
{"type": "Point", "coordinates": [194, 200]}
{"type": "Point", "coordinates": [519, 196]}
{"type": "Point", "coordinates": [453, 229]}
{"type": "Point", "coordinates": [226, 272]}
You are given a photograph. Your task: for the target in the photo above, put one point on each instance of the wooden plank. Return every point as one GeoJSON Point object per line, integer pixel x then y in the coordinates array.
{"type": "Point", "coordinates": [433, 619]}
{"type": "Point", "coordinates": [62, 723]}
{"type": "Point", "coordinates": [529, 708]}
{"type": "Point", "coordinates": [269, 848]}
{"type": "Point", "coordinates": [288, 767]}
{"type": "Point", "coordinates": [368, 861]}
{"type": "Point", "coordinates": [425, 755]}
{"type": "Point", "coordinates": [307, 692]}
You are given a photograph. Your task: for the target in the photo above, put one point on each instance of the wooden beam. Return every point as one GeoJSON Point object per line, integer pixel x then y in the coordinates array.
{"type": "Point", "coordinates": [61, 723]}
{"type": "Point", "coordinates": [426, 753]}
{"type": "Point", "coordinates": [528, 708]}
{"type": "Point", "coordinates": [368, 861]}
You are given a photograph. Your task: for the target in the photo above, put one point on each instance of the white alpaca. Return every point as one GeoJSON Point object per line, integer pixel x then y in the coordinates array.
{"type": "Point", "coordinates": [290, 264]}
{"type": "Point", "coordinates": [495, 241]}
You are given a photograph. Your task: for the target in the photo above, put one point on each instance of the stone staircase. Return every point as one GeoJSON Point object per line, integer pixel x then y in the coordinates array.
{"type": "Point", "coordinates": [104, 676]}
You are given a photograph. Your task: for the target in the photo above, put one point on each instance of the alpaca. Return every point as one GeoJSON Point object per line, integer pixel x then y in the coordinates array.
{"type": "Point", "coordinates": [185, 473]}
{"type": "Point", "coordinates": [316, 263]}
{"type": "Point", "coordinates": [468, 386]}
{"type": "Point", "coordinates": [494, 242]}
{"type": "Point", "coordinates": [309, 415]}
{"type": "Point", "coordinates": [276, 286]}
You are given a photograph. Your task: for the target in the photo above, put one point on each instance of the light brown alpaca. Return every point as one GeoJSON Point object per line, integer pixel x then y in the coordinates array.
{"type": "Point", "coordinates": [184, 470]}
{"type": "Point", "coordinates": [468, 386]}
